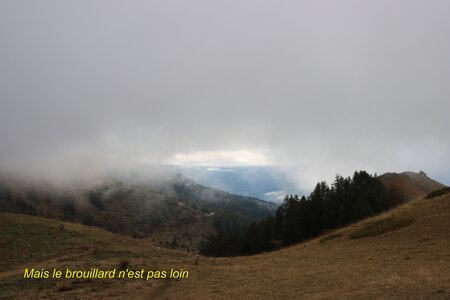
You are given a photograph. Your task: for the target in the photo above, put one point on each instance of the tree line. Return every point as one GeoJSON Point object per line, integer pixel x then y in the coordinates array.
{"type": "Point", "coordinates": [297, 219]}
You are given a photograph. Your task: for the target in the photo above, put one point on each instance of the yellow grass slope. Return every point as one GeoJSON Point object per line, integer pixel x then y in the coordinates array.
{"type": "Point", "coordinates": [402, 254]}
{"type": "Point", "coordinates": [408, 261]}
{"type": "Point", "coordinates": [32, 242]}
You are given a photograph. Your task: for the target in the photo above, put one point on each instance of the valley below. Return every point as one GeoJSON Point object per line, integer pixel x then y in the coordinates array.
{"type": "Point", "coordinates": [380, 257]}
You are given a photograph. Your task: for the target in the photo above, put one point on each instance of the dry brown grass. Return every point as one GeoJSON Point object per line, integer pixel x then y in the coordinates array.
{"type": "Point", "coordinates": [411, 262]}
{"type": "Point", "coordinates": [408, 263]}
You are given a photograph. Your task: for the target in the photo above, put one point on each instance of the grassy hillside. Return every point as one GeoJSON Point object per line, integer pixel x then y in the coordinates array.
{"type": "Point", "coordinates": [32, 242]}
{"type": "Point", "coordinates": [401, 254]}
{"type": "Point", "coordinates": [175, 212]}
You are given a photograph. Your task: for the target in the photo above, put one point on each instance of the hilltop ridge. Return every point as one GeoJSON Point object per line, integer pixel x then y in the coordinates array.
{"type": "Point", "coordinates": [409, 185]}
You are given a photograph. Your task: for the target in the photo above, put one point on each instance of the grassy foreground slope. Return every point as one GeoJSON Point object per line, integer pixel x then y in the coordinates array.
{"type": "Point", "coordinates": [401, 254]}
{"type": "Point", "coordinates": [33, 242]}
{"type": "Point", "coordinates": [407, 256]}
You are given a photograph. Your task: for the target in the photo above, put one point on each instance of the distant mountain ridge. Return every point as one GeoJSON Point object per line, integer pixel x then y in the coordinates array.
{"type": "Point", "coordinates": [171, 209]}
{"type": "Point", "coordinates": [269, 183]}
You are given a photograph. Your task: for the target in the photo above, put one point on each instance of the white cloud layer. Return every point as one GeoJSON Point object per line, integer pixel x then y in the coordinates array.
{"type": "Point", "coordinates": [324, 87]}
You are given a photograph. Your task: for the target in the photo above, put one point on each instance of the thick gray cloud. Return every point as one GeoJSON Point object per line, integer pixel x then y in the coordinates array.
{"type": "Point", "coordinates": [322, 86]}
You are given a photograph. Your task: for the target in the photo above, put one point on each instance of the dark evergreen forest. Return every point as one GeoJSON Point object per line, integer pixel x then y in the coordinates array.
{"type": "Point", "coordinates": [328, 207]}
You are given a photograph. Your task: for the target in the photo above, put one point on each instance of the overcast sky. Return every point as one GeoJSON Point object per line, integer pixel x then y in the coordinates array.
{"type": "Point", "coordinates": [323, 87]}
